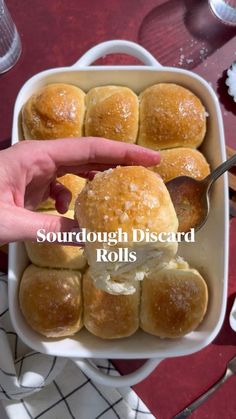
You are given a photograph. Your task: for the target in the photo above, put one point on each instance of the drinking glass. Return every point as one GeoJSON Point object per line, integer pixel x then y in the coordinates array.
{"type": "Point", "coordinates": [225, 10]}
{"type": "Point", "coordinates": [10, 44]}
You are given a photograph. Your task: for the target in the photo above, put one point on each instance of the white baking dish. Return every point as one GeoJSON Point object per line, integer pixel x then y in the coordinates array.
{"type": "Point", "coordinates": [209, 254]}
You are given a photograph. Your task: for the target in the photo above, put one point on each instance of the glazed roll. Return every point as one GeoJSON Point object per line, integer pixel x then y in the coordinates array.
{"type": "Point", "coordinates": [110, 316]}
{"type": "Point", "coordinates": [48, 255]}
{"type": "Point", "coordinates": [112, 112]}
{"type": "Point", "coordinates": [55, 111]}
{"type": "Point", "coordinates": [51, 301]}
{"type": "Point", "coordinates": [174, 301]}
{"type": "Point", "coordinates": [182, 161]}
{"type": "Point", "coordinates": [170, 116]}
{"type": "Point", "coordinates": [128, 198]}
{"type": "Point", "coordinates": [51, 255]}
{"type": "Point", "coordinates": [73, 183]}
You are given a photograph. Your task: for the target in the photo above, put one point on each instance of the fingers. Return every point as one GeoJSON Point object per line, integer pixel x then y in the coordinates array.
{"type": "Point", "coordinates": [61, 195]}
{"type": "Point", "coordinates": [79, 170]}
{"type": "Point", "coordinates": [21, 224]}
{"type": "Point", "coordinates": [81, 151]}
{"type": "Point", "coordinates": [89, 175]}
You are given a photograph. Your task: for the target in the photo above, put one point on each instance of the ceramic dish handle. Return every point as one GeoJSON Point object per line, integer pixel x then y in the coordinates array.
{"type": "Point", "coordinates": [99, 377]}
{"type": "Point", "coordinates": [120, 47]}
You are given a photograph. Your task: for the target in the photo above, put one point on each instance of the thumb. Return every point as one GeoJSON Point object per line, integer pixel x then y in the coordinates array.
{"type": "Point", "coordinates": [21, 224]}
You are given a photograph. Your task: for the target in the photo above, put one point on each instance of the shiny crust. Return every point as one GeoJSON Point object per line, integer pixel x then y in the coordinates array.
{"type": "Point", "coordinates": [170, 116]}
{"type": "Point", "coordinates": [173, 303]}
{"type": "Point", "coordinates": [75, 184]}
{"type": "Point", "coordinates": [112, 112]}
{"type": "Point", "coordinates": [72, 182]}
{"type": "Point", "coordinates": [51, 255]}
{"type": "Point", "coordinates": [51, 301]}
{"type": "Point", "coordinates": [110, 316]}
{"type": "Point", "coordinates": [127, 197]}
{"type": "Point", "coordinates": [55, 111]}
{"type": "Point", "coordinates": [182, 161]}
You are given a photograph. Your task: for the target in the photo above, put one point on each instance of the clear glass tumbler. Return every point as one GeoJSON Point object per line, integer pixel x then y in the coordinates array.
{"type": "Point", "coordinates": [10, 44]}
{"type": "Point", "coordinates": [225, 10]}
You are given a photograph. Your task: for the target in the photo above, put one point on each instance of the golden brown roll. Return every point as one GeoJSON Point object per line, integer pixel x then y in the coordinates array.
{"type": "Point", "coordinates": [75, 184]}
{"type": "Point", "coordinates": [51, 301]}
{"type": "Point", "coordinates": [174, 301]}
{"type": "Point", "coordinates": [48, 255]}
{"type": "Point", "coordinates": [128, 198]}
{"type": "Point", "coordinates": [170, 116]}
{"type": "Point", "coordinates": [72, 182]}
{"type": "Point", "coordinates": [182, 161]}
{"type": "Point", "coordinates": [110, 316]}
{"type": "Point", "coordinates": [112, 112]}
{"type": "Point", "coordinates": [51, 255]}
{"type": "Point", "coordinates": [55, 111]}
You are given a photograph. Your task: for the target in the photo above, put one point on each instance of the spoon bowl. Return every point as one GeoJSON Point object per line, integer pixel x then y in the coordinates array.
{"type": "Point", "coordinates": [191, 201]}
{"type": "Point", "coordinates": [190, 197]}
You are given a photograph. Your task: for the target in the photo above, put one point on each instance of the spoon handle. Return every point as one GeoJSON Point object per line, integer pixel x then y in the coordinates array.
{"type": "Point", "coordinates": [188, 410]}
{"type": "Point", "coordinates": [221, 169]}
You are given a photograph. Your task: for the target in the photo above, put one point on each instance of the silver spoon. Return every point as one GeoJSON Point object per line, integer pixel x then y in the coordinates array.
{"type": "Point", "coordinates": [191, 197]}
{"type": "Point", "coordinates": [230, 370]}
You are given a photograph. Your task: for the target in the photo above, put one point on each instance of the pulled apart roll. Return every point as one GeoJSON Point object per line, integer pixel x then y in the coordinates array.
{"type": "Point", "coordinates": [131, 197]}
{"type": "Point", "coordinates": [112, 112]}
{"type": "Point", "coordinates": [51, 255]}
{"type": "Point", "coordinates": [51, 301]}
{"type": "Point", "coordinates": [55, 111]}
{"type": "Point", "coordinates": [110, 316]}
{"type": "Point", "coordinates": [182, 161]}
{"type": "Point", "coordinates": [73, 183]}
{"type": "Point", "coordinates": [174, 301]}
{"type": "Point", "coordinates": [170, 116]}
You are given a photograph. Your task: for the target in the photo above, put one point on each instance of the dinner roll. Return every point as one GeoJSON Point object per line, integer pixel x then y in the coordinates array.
{"type": "Point", "coordinates": [174, 301]}
{"type": "Point", "coordinates": [72, 182]}
{"type": "Point", "coordinates": [55, 111]}
{"type": "Point", "coordinates": [110, 316]}
{"type": "Point", "coordinates": [128, 198]}
{"type": "Point", "coordinates": [112, 112]}
{"type": "Point", "coordinates": [51, 255]}
{"type": "Point", "coordinates": [75, 184]}
{"type": "Point", "coordinates": [51, 301]}
{"type": "Point", "coordinates": [182, 161]}
{"type": "Point", "coordinates": [170, 116]}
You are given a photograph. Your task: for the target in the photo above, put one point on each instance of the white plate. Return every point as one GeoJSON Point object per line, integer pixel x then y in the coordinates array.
{"type": "Point", "coordinates": [209, 254]}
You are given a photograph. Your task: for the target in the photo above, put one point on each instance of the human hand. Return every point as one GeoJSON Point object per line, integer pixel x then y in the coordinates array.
{"type": "Point", "coordinates": [28, 172]}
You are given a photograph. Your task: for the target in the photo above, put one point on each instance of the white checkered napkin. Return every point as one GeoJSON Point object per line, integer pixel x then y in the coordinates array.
{"type": "Point", "coordinates": [33, 385]}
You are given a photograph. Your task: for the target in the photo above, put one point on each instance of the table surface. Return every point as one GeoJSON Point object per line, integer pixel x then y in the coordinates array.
{"type": "Point", "coordinates": [181, 33]}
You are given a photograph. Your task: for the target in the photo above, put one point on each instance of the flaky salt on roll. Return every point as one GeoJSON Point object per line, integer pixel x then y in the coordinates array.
{"type": "Point", "coordinates": [131, 197]}
{"type": "Point", "coordinates": [54, 111]}
{"type": "Point", "coordinates": [110, 316]}
{"type": "Point", "coordinates": [52, 255]}
{"type": "Point", "coordinates": [182, 161]}
{"type": "Point", "coordinates": [73, 183]}
{"type": "Point", "coordinates": [174, 301]}
{"type": "Point", "coordinates": [51, 301]}
{"type": "Point", "coordinates": [170, 116]}
{"type": "Point", "coordinates": [112, 112]}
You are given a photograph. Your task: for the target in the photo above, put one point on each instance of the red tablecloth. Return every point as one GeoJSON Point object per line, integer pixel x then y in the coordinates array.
{"type": "Point", "coordinates": [179, 32]}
